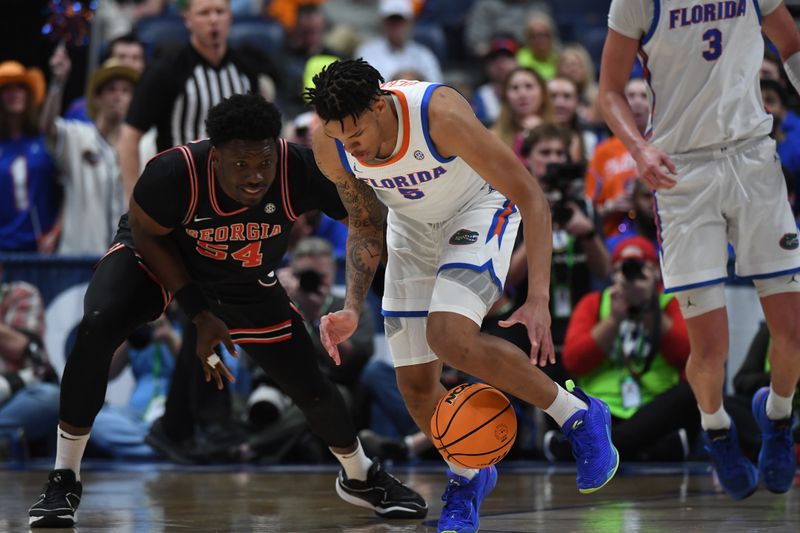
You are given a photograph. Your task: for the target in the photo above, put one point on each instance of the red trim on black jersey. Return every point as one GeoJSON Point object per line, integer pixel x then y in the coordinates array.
{"type": "Point", "coordinates": [193, 183]}
{"type": "Point", "coordinates": [212, 193]}
{"type": "Point", "coordinates": [267, 335]}
{"type": "Point", "coordinates": [287, 204]}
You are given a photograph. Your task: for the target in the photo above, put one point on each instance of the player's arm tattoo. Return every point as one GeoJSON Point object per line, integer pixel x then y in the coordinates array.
{"type": "Point", "coordinates": [364, 239]}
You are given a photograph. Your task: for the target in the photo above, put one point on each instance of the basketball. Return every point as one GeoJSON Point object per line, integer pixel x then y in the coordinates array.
{"type": "Point", "coordinates": [474, 425]}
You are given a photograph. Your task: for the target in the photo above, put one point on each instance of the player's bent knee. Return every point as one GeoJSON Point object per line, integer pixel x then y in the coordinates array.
{"type": "Point", "coordinates": [702, 300]}
{"type": "Point", "coordinates": [777, 285]}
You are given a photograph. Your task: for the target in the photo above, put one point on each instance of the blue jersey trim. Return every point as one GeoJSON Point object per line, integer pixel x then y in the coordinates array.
{"type": "Point", "coordinates": [695, 285]}
{"type": "Point", "coordinates": [424, 112]}
{"type": "Point", "coordinates": [758, 11]}
{"type": "Point", "coordinates": [486, 266]}
{"type": "Point", "coordinates": [656, 15]}
{"type": "Point", "coordinates": [769, 275]}
{"type": "Point", "coordinates": [407, 314]}
{"type": "Point", "coordinates": [343, 157]}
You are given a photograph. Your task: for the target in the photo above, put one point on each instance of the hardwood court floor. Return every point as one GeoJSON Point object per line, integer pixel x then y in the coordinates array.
{"type": "Point", "coordinates": [529, 497]}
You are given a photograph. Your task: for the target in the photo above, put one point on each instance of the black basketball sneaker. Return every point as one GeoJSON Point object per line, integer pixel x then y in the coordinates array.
{"type": "Point", "coordinates": [57, 505]}
{"type": "Point", "coordinates": [383, 493]}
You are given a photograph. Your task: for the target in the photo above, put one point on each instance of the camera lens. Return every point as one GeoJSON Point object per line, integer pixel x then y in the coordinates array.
{"type": "Point", "coordinates": [310, 280]}
{"type": "Point", "coordinates": [633, 269]}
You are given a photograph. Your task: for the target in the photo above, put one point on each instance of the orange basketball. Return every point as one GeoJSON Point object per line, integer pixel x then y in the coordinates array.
{"type": "Point", "coordinates": [474, 425]}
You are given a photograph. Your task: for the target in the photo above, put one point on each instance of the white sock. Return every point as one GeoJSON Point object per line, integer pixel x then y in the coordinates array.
{"type": "Point", "coordinates": [778, 407]}
{"type": "Point", "coordinates": [564, 406]}
{"type": "Point", "coordinates": [356, 464]}
{"type": "Point", "coordinates": [69, 452]}
{"type": "Point", "coordinates": [468, 473]}
{"type": "Point", "coordinates": [715, 421]}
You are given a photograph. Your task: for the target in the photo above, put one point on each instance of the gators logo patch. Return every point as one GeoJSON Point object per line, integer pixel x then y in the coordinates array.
{"type": "Point", "coordinates": [464, 236]}
{"type": "Point", "coordinates": [789, 241]}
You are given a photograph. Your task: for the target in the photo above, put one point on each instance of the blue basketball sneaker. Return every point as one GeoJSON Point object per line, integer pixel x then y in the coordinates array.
{"type": "Point", "coordinates": [589, 434]}
{"type": "Point", "coordinates": [462, 500]}
{"type": "Point", "coordinates": [777, 462]}
{"type": "Point", "coordinates": [736, 473]}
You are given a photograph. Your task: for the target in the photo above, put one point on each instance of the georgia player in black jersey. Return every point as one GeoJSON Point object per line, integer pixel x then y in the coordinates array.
{"type": "Point", "coordinates": [209, 222]}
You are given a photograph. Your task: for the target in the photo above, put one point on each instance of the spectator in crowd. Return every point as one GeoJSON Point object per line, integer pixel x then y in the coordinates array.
{"type": "Point", "coordinates": [628, 345]}
{"type": "Point", "coordinates": [304, 53]}
{"type": "Point", "coordinates": [578, 252]}
{"type": "Point", "coordinates": [289, 12]}
{"type": "Point", "coordinates": [575, 63]}
{"type": "Point", "coordinates": [28, 197]}
{"type": "Point", "coordinates": [28, 384]}
{"type": "Point", "coordinates": [772, 69]}
{"type": "Point", "coordinates": [150, 351]}
{"type": "Point", "coordinates": [129, 51]}
{"type": "Point", "coordinates": [541, 50]}
{"type": "Point", "coordinates": [498, 64]}
{"type": "Point", "coordinates": [489, 18]}
{"type": "Point", "coordinates": [612, 171]}
{"type": "Point", "coordinates": [787, 135]}
{"type": "Point", "coordinates": [85, 154]}
{"type": "Point", "coordinates": [308, 281]}
{"type": "Point", "coordinates": [564, 96]}
{"type": "Point", "coordinates": [395, 50]}
{"type": "Point", "coordinates": [525, 105]}
{"type": "Point", "coordinates": [177, 90]}
{"type": "Point", "coordinates": [640, 219]}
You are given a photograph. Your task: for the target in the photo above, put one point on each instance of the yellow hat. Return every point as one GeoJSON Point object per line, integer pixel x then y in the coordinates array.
{"type": "Point", "coordinates": [111, 69]}
{"type": "Point", "coordinates": [14, 72]}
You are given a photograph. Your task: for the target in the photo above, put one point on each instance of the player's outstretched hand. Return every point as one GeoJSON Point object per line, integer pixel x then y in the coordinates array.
{"type": "Point", "coordinates": [335, 328]}
{"type": "Point", "coordinates": [535, 315]}
{"type": "Point", "coordinates": [211, 331]}
{"type": "Point", "coordinates": [653, 164]}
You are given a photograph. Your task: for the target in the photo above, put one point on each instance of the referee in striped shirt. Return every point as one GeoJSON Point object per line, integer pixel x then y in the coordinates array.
{"type": "Point", "coordinates": [177, 90]}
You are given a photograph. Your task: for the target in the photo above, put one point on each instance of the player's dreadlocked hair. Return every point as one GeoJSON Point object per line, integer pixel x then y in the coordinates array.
{"type": "Point", "coordinates": [344, 89]}
{"type": "Point", "coordinates": [243, 116]}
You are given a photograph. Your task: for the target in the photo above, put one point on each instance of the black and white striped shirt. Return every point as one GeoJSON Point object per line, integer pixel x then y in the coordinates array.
{"type": "Point", "coordinates": [176, 92]}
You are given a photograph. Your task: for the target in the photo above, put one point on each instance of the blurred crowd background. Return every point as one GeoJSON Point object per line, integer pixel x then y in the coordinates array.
{"type": "Point", "coordinates": [90, 90]}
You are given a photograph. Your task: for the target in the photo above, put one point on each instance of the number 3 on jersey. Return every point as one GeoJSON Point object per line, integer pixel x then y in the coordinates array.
{"type": "Point", "coordinates": [714, 39]}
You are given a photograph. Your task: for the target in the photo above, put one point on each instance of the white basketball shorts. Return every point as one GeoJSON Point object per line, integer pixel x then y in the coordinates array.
{"type": "Point", "coordinates": [731, 193]}
{"type": "Point", "coordinates": [480, 238]}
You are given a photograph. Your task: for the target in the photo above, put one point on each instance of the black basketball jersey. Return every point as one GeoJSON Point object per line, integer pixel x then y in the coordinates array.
{"type": "Point", "coordinates": [223, 243]}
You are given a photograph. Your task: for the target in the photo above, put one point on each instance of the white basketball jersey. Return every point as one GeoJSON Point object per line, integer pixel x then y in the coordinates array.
{"type": "Point", "coordinates": [702, 61]}
{"type": "Point", "coordinates": [417, 181]}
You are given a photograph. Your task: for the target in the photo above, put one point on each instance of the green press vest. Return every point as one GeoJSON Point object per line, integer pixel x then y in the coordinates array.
{"type": "Point", "coordinates": [605, 382]}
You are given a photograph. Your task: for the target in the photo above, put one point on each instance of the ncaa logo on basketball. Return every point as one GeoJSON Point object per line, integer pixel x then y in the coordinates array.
{"type": "Point", "coordinates": [418, 155]}
{"type": "Point", "coordinates": [269, 208]}
{"type": "Point", "coordinates": [453, 393]}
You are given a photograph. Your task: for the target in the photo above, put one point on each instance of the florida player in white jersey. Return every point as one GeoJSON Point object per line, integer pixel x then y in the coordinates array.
{"type": "Point", "coordinates": [455, 195]}
{"type": "Point", "coordinates": [717, 179]}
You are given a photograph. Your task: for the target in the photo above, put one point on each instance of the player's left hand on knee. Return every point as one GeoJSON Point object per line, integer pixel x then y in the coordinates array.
{"type": "Point", "coordinates": [535, 316]}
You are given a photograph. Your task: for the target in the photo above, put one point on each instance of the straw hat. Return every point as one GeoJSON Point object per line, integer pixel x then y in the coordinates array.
{"type": "Point", "coordinates": [111, 69]}
{"type": "Point", "coordinates": [14, 72]}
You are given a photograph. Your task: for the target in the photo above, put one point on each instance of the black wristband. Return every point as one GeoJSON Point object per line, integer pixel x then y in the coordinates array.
{"type": "Point", "coordinates": [588, 236]}
{"type": "Point", "coordinates": [191, 299]}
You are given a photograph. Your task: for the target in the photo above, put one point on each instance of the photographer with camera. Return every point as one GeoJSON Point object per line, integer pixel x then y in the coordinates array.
{"type": "Point", "coordinates": [628, 345]}
{"type": "Point", "coordinates": [308, 281]}
{"type": "Point", "coordinates": [580, 256]}
{"type": "Point", "coordinates": [28, 384]}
